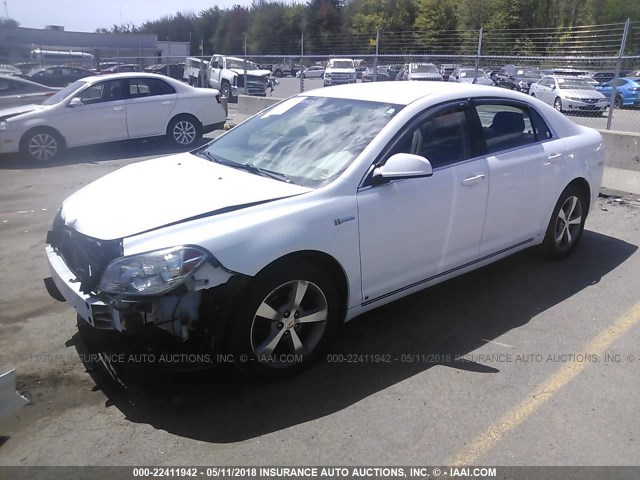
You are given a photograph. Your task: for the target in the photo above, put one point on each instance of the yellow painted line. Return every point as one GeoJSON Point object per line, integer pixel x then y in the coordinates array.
{"type": "Point", "coordinates": [559, 379]}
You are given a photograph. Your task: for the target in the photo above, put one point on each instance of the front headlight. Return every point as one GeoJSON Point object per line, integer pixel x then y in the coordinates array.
{"type": "Point", "coordinates": [575, 99]}
{"type": "Point", "coordinates": [152, 273]}
{"type": "Point", "coordinates": [327, 75]}
{"type": "Point", "coordinates": [3, 126]}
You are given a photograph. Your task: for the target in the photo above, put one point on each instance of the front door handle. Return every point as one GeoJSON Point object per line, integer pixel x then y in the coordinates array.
{"type": "Point", "coordinates": [471, 180]}
{"type": "Point", "coordinates": [553, 158]}
{"type": "Point", "coordinates": [168, 102]}
{"type": "Point", "coordinates": [118, 109]}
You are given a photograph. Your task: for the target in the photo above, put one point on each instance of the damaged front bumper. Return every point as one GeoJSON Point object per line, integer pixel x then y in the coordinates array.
{"type": "Point", "coordinates": [178, 312]}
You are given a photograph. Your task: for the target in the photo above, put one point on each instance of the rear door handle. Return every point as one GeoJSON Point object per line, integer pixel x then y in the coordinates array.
{"type": "Point", "coordinates": [471, 180]}
{"type": "Point", "coordinates": [118, 109]}
{"type": "Point", "coordinates": [168, 102]}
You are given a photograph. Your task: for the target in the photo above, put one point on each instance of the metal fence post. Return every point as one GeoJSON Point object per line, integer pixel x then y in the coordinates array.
{"type": "Point", "coordinates": [245, 65]}
{"type": "Point", "coordinates": [375, 58]}
{"type": "Point", "coordinates": [614, 91]}
{"type": "Point", "coordinates": [301, 62]}
{"type": "Point", "coordinates": [479, 52]}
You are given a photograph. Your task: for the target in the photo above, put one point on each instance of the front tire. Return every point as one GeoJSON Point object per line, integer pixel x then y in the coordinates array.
{"type": "Point", "coordinates": [557, 104]}
{"type": "Point", "coordinates": [566, 225]}
{"type": "Point", "coordinates": [42, 145]}
{"type": "Point", "coordinates": [225, 90]}
{"type": "Point", "coordinates": [284, 319]}
{"type": "Point", "coordinates": [184, 131]}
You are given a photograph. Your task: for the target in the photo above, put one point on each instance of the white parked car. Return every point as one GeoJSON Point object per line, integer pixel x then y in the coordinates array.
{"type": "Point", "coordinates": [324, 206]}
{"type": "Point", "coordinates": [108, 108]}
{"type": "Point", "coordinates": [569, 94]}
{"type": "Point", "coordinates": [339, 71]}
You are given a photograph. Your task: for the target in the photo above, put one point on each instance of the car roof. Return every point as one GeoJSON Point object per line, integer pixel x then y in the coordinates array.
{"type": "Point", "coordinates": [410, 91]}
{"type": "Point", "coordinates": [111, 76]}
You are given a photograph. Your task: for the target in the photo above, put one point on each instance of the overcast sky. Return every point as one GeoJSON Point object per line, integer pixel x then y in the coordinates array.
{"type": "Point", "coordinates": [87, 15]}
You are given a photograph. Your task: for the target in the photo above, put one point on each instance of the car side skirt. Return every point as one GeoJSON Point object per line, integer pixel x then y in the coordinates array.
{"type": "Point", "coordinates": [441, 277]}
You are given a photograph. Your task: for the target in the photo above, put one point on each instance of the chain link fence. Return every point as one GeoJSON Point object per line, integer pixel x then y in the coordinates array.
{"type": "Point", "coordinates": [603, 55]}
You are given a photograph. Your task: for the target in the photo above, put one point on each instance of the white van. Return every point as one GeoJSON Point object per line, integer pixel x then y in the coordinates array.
{"type": "Point", "coordinates": [339, 71]}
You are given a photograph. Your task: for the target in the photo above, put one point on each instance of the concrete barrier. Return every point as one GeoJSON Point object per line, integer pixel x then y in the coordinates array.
{"type": "Point", "coordinates": [248, 105]}
{"type": "Point", "coordinates": [622, 161]}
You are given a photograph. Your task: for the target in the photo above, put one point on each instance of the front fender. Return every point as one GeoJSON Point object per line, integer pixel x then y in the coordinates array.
{"type": "Point", "coordinates": [247, 240]}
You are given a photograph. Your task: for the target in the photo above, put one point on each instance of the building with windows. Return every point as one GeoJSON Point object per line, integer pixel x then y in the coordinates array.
{"type": "Point", "coordinates": [18, 44]}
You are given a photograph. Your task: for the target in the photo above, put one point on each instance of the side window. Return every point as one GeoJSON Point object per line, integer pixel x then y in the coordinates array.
{"type": "Point", "coordinates": [620, 82]}
{"type": "Point", "coordinates": [138, 88]}
{"type": "Point", "coordinates": [540, 127]}
{"type": "Point", "coordinates": [93, 94]}
{"type": "Point", "coordinates": [109, 91]}
{"type": "Point", "coordinates": [5, 85]}
{"type": "Point", "coordinates": [161, 88]}
{"type": "Point", "coordinates": [442, 138]}
{"type": "Point", "coordinates": [147, 87]}
{"type": "Point", "coordinates": [505, 126]}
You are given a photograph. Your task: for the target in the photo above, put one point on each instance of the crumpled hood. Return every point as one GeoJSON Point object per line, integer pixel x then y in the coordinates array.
{"type": "Point", "coordinates": [155, 193]}
{"type": "Point", "coordinates": [254, 73]}
{"type": "Point", "coordinates": [6, 113]}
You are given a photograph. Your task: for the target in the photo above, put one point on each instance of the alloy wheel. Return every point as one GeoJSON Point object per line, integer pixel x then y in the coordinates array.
{"type": "Point", "coordinates": [42, 146]}
{"type": "Point", "coordinates": [568, 223]}
{"type": "Point", "coordinates": [289, 323]}
{"type": "Point", "coordinates": [184, 132]}
{"type": "Point", "coordinates": [558, 105]}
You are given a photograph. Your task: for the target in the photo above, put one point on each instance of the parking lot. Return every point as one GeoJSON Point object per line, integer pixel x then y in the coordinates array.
{"type": "Point", "coordinates": [624, 120]}
{"type": "Point", "coordinates": [524, 362]}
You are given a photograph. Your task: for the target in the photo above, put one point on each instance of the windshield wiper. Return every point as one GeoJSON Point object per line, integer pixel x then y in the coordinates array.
{"type": "Point", "coordinates": [247, 167]}
{"type": "Point", "coordinates": [250, 167]}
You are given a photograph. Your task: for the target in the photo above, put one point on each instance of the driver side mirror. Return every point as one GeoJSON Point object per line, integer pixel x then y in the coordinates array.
{"type": "Point", "coordinates": [402, 166]}
{"type": "Point", "coordinates": [75, 102]}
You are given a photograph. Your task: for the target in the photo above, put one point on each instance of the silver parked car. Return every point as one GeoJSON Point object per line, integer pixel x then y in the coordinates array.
{"type": "Point", "coordinates": [316, 71]}
{"type": "Point", "coordinates": [469, 75]}
{"type": "Point", "coordinates": [421, 71]}
{"type": "Point", "coordinates": [16, 91]}
{"type": "Point", "coordinates": [569, 94]}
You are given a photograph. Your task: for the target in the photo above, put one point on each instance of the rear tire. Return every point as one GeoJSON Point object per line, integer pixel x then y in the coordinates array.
{"type": "Point", "coordinates": [184, 131]}
{"type": "Point", "coordinates": [566, 225]}
{"type": "Point", "coordinates": [618, 102]}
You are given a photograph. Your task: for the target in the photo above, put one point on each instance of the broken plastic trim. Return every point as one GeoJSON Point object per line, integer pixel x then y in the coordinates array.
{"type": "Point", "coordinates": [10, 400]}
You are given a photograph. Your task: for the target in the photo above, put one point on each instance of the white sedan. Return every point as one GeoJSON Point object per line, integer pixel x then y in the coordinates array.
{"type": "Point", "coordinates": [318, 209]}
{"type": "Point", "coordinates": [569, 94]}
{"type": "Point", "coordinates": [108, 108]}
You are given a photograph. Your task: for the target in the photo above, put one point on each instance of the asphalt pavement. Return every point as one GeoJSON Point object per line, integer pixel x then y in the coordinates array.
{"type": "Point", "coordinates": [524, 362]}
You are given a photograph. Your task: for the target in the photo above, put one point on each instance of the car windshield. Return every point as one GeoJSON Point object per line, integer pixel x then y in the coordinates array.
{"type": "Point", "coordinates": [233, 63]}
{"type": "Point", "coordinates": [308, 141]}
{"type": "Point", "coordinates": [341, 64]}
{"type": "Point", "coordinates": [574, 84]}
{"type": "Point", "coordinates": [424, 68]}
{"type": "Point", "coordinates": [64, 93]}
